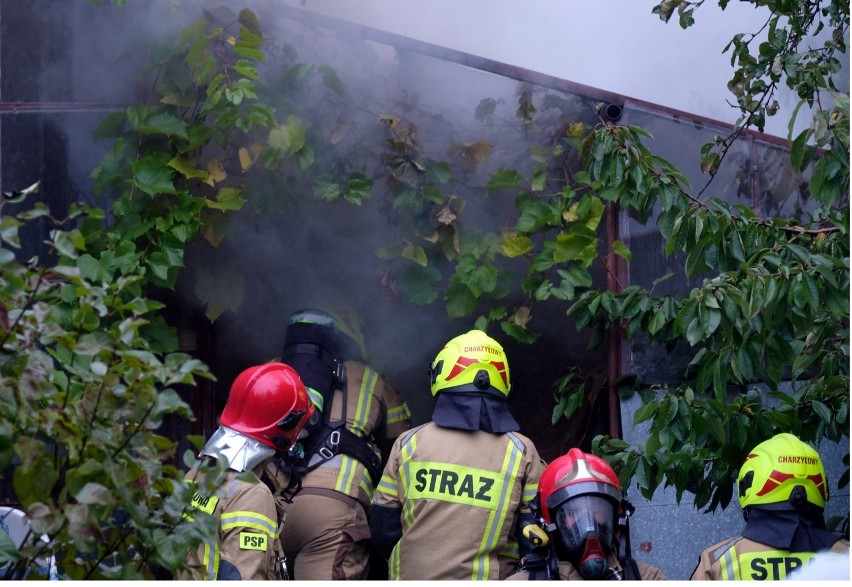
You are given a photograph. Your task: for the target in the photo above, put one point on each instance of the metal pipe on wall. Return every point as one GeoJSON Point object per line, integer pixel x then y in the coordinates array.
{"type": "Point", "coordinates": [612, 113]}
{"type": "Point", "coordinates": [614, 359]}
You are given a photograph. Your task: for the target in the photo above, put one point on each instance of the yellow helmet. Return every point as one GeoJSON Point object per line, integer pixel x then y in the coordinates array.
{"type": "Point", "coordinates": [784, 471]}
{"type": "Point", "coordinates": [471, 362]}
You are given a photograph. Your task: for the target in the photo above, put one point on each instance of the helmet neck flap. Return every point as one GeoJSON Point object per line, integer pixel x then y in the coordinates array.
{"type": "Point", "coordinates": [243, 453]}
{"type": "Point", "coordinates": [474, 411]}
{"type": "Point", "coordinates": [790, 530]}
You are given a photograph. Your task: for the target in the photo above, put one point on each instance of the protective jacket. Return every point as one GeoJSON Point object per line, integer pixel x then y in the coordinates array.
{"type": "Point", "coordinates": [326, 532]}
{"type": "Point", "coordinates": [247, 545]}
{"type": "Point", "coordinates": [455, 496]}
{"type": "Point", "coordinates": [742, 559]}
{"type": "Point", "coordinates": [567, 572]}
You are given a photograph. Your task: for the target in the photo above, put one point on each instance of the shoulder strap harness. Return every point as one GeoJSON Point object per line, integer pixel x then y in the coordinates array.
{"type": "Point", "coordinates": [332, 437]}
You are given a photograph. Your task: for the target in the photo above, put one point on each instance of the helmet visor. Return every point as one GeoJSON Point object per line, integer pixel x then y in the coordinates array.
{"type": "Point", "coordinates": [583, 516]}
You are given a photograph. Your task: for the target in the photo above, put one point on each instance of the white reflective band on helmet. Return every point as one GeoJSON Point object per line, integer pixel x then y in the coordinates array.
{"type": "Point", "coordinates": [312, 317]}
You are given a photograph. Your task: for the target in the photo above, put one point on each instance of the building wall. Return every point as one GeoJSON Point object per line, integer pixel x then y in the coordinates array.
{"type": "Point", "coordinates": [672, 535]}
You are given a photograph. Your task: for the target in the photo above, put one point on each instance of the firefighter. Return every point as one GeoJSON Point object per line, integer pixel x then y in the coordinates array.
{"type": "Point", "coordinates": [782, 491]}
{"type": "Point", "coordinates": [582, 511]}
{"type": "Point", "coordinates": [266, 411]}
{"type": "Point", "coordinates": [453, 489]}
{"type": "Point", "coordinates": [327, 534]}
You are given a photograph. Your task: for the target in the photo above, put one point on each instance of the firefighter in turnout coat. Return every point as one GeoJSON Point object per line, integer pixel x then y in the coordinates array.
{"type": "Point", "coordinates": [582, 525]}
{"type": "Point", "coordinates": [453, 489]}
{"type": "Point", "coordinates": [327, 534]}
{"type": "Point", "coordinates": [267, 409]}
{"type": "Point", "coordinates": [782, 491]}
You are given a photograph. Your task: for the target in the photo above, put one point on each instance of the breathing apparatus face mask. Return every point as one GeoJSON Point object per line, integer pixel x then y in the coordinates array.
{"type": "Point", "coordinates": [585, 525]}
{"type": "Point", "coordinates": [311, 425]}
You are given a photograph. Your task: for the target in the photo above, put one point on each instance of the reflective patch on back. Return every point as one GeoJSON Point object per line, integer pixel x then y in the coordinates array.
{"type": "Point", "coordinates": [205, 504]}
{"type": "Point", "coordinates": [252, 541]}
{"type": "Point", "coordinates": [771, 565]}
{"type": "Point", "coordinates": [454, 483]}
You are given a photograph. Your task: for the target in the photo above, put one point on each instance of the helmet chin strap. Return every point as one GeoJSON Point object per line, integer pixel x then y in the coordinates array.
{"type": "Point", "coordinates": [593, 562]}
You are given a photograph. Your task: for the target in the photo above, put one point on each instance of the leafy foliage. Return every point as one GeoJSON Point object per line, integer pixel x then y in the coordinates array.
{"type": "Point", "coordinates": [176, 163]}
{"type": "Point", "coordinates": [768, 326]}
{"type": "Point", "coordinates": [87, 375]}
{"type": "Point", "coordinates": [89, 369]}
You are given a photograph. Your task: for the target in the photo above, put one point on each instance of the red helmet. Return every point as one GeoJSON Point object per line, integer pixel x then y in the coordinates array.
{"type": "Point", "coordinates": [268, 403]}
{"type": "Point", "coordinates": [580, 496]}
{"type": "Point", "coordinates": [573, 474]}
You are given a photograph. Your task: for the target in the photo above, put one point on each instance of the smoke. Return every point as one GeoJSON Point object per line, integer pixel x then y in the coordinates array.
{"type": "Point", "coordinates": [298, 253]}
{"type": "Point", "coordinates": [613, 45]}
{"type": "Point", "coordinates": [286, 251]}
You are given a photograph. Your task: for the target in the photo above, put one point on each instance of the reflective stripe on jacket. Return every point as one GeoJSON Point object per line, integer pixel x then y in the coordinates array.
{"type": "Point", "coordinates": [459, 494]}
{"type": "Point", "coordinates": [741, 559]}
{"type": "Point", "coordinates": [246, 546]}
{"type": "Point", "coordinates": [371, 403]}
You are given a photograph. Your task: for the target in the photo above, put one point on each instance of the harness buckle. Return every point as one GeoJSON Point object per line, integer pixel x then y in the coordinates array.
{"type": "Point", "coordinates": [339, 372]}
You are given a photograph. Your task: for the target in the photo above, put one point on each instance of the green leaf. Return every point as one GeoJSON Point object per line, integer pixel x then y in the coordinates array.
{"type": "Point", "coordinates": [710, 320]}
{"type": "Point", "coordinates": [159, 265]}
{"type": "Point", "coordinates": [8, 549]}
{"type": "Point", "coordinates": [515, 246]}
{"type": "Point", "coordinates": [810, 291]}
{"type": "Point", "coordinates": [569, 404]}
{"type": "Point", "coordinates": [416, 284]}
{"type": "Point", "coordinates": [89, 267]}
{"type": "Point", "coordinates": [227, 199]}
{"type": "Point", "coordinates": [153, 177]}
{"type": "Point", "coordinates": [822, 410]}
{"type": "Point", "coordinates": [668, 411]}
{"type": "Point", "coordinates": [621, 250]}
{"type": "Point", "coordinates": [326, 189]}
{"type": "Point", "coordinates": [656, 322]}
{"type": "Point", "coordinates": [575, 246]}
{"type": "Point", "coordinates": [188, 169]}
{"type": "Point", "coordinates": [415, 253]}
{"type": "Point", "coordinates": [248, 19]}
{"type": "Point", "coordinates": [504, 178]}
{"type": "Point", "coordinates": [289, 137]}
{"type": "Point", "coordinates": [164, 123]}
{"type": "Point", "coordinates": [800, 154]}
{"type": "Point", "coordinates": [481, 280]}
{"type": "Point", "coordinates": [736, 243]}
{"type": "Point", "coordinates": [248, 52]}
{"type": "Point", "coordinates": [94, 493]}
{"type": "Point", "coordinates": [645, 412]}
{"type": "Point", "coordinates": [460, 300]}
{"type": "Point", "coordinates": [694, 332]}
{"type": "Point", "coordinates": [331, 80]}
